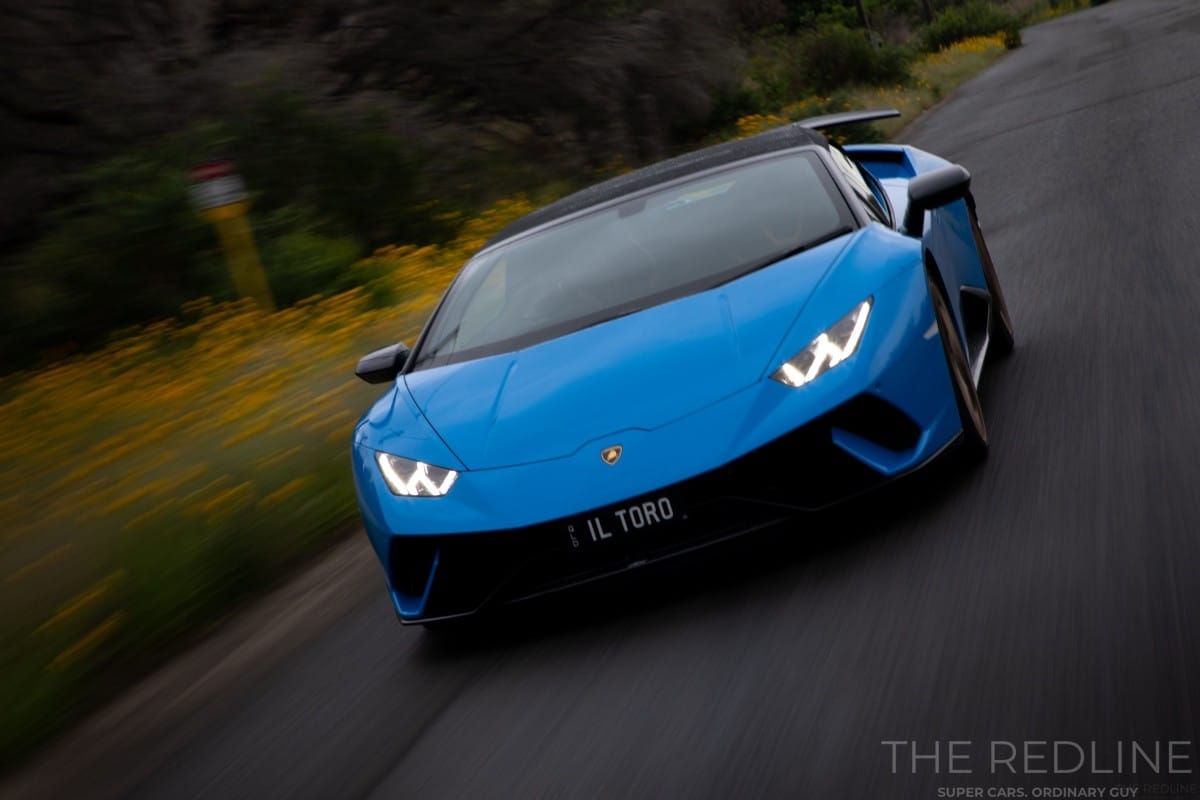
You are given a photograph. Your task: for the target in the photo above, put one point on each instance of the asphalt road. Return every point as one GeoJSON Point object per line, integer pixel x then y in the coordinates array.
{"type": "Point", "coordinates": [1050, 594]}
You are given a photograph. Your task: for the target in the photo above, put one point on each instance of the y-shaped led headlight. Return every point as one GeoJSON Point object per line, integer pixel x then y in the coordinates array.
{"type": "Point", "coordinates": [826, 351]}
{"type": "Point", "coordinates": [409, 478]}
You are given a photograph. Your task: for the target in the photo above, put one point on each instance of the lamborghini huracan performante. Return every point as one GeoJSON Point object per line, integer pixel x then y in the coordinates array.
{"type": "Point", "coordinates": [681, 354]}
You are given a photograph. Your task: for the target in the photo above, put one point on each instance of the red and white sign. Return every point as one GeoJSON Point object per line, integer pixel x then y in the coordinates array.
{"type": "Point", "coordinates": [216, 184]}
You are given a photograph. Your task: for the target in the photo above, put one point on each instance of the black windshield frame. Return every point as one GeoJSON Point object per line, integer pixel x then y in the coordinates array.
{"type": "Point", "coordinates": [850, 219]}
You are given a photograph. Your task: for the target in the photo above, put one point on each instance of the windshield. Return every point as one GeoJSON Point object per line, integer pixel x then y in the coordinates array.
{"type": "Point", "coordinates": [639, 252]}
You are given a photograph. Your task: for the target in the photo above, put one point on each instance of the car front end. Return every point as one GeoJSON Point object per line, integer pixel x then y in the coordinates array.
{"type": "Point", "coordinates": [641, 460]}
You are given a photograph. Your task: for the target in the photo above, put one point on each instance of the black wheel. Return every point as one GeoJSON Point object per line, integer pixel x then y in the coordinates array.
{"type": "Point", "coordinates": [970, 410]}
{"type": "Point", "coordinates": [1000, 329]}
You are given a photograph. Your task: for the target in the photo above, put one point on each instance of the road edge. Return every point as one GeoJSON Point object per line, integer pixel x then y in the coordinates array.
{"type": "Point", "coordinates": [154, 714]}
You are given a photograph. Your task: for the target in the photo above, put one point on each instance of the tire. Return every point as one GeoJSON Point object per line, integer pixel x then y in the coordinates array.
{"type": "Point", "coordinates": [1000, 329]}
{"type": "Point", "coordinates": [974, 443]}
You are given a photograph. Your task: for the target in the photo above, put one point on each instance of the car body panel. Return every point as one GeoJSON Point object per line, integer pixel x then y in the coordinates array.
{"type": "Point", "coordinates": [684, 388]}
{"type": "Point", "coordinates": [948, 238]}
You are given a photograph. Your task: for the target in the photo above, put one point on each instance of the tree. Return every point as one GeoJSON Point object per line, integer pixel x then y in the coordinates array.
{"type": "Point", "coordinates": [862, 15]}
{"type": "Point", "coordinates": [607, 76]}
{"type": "Point", "coordinates": [87, 78]}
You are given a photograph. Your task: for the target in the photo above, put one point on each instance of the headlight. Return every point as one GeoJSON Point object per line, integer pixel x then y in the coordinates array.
{"type": "Point", "coordinates": [827, 350]}
{"type": "Point", "coordinates": [409, 478]}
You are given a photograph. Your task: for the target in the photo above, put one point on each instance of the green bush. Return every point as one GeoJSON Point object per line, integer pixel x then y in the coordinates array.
{"type": "Point", "coordinates": [740, 101]}
{"type": "Point", "coordinates": [833, 56]}
{"type": "Point", "coordinates": [130, 248]}
{"type": "Point", "coordinates": [358, 177]}
{"type": "Point", "coordinates": [829, 54]}
{"type": "Point", "coordinates": [302, 264]}
{"type": "Point", "coordinates": [1012, 37]}
{"type": "Point", "coordinates": [804, 14]}
{"type": "Point", "coordinates": [974, 18]}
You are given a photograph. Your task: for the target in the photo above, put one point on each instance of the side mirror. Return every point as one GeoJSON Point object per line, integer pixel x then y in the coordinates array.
{"type": "Point", "coordinates": [382, 365]}
{"type": "Point", "coordinates": [933, 190]}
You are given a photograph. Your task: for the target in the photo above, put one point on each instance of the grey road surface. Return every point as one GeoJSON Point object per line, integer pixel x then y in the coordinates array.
{"type": "Point", "coordinates": [1051, 594]}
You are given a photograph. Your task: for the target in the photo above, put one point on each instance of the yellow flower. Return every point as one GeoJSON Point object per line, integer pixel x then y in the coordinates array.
{"type": "Point", "coordinates": [93, 639]}
{"type": "Point", "coordinates": [75, 605]}
{"type": "Point", "coordinates": [285, 492]}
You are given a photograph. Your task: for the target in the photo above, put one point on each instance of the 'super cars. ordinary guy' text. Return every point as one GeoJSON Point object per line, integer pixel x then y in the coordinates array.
{"type": "Point", "coordinates": [680, 354]}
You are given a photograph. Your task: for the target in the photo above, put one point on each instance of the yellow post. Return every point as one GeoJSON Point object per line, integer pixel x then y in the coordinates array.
{"type": "Point", "coordinates": [237, 242]}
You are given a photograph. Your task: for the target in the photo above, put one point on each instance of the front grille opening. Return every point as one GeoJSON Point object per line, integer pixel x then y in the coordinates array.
{"type": "Point", "coordinates": [471, 567]}
{"type": "Point", "coordinates": [803, 469]}
{"type": "Point", "coordinates": [410, 562]}
{"type": "Point", "coordinates": [877, 421]}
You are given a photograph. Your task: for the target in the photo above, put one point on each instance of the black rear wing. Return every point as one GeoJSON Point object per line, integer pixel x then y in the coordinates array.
{"type": "Point", "coordinates": [847, 118]}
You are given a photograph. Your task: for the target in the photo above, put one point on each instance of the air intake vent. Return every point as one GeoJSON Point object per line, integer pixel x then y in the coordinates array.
{"type": "Point", "coordinates": [877, 421]}
{"type": "Point", "coordinates": [410, 561]}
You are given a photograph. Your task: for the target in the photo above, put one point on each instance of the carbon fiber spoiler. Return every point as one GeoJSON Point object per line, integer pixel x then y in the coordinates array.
{"type": "Point", "coordinates": [847, 118]}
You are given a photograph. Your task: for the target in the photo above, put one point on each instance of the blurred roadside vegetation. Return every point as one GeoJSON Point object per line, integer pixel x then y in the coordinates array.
{"type": "Point", "coordinates": [168, 451]}
{"type": "Point", "coordinates": [334, 176]}
{"type": "Point", "coordinates": [154, 484]}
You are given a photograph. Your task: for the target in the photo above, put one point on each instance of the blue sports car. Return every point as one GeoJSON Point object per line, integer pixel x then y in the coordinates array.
{"type": "Point", "coordinates": [681, 354]}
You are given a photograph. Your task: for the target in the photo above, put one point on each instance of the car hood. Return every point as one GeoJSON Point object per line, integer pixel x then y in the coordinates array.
{"type": "Point", "coordinates": [640, 371]}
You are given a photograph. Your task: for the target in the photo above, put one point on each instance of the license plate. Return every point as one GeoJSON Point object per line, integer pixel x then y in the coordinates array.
{"type": "Point", "coordinates": [623, 520]}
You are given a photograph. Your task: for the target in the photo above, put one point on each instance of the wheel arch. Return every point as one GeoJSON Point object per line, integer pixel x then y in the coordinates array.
{"type": "Point", "coordinates": [953, 299]}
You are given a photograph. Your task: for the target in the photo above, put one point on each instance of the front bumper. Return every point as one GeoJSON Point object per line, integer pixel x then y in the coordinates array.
{"type": "Point", "coordinates": [437, 577]}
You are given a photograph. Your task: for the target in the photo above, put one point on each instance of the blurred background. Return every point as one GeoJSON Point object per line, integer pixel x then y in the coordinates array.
{"type": "Point", "coordinates": [168, 447]}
